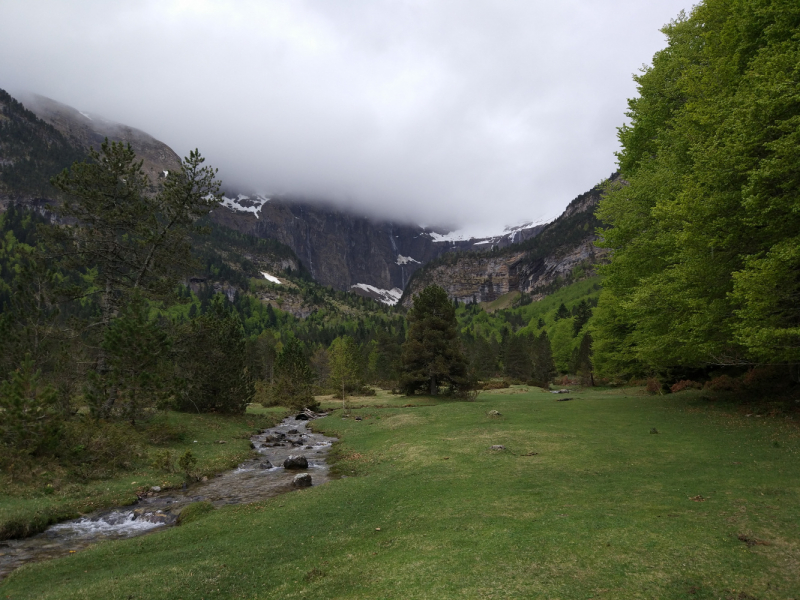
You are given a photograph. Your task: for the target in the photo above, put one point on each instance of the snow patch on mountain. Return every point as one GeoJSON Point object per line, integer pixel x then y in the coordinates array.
{"type": "Point", "coordinates": [271, 278]}
{"type": "Point", "coordinates": [389, 297]}
{"type": "Point", "coordinates": [404, 260]}
{"type": "Point", "coordinates": [244, 203]}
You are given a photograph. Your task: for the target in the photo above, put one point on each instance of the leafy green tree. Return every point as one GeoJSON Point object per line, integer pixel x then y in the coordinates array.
{"type": "Point", "coordinates": [212, 364]}
{"type": "Point", "coordinates": [432, 355]}
{"type": "Point", "coordinates": [293, 377]}
{"type": "Point", "coordinates": [704, 235]}
{"type": "Point", "coordinates": [345, 367]}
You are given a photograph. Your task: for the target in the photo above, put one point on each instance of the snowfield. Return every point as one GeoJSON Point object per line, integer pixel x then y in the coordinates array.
{"type": "Point", "coordinates": [271, 278]}
{"type": "Point", "coordinates": [389, 297]}
{"type": "Point", "coordinates": [244, 203]}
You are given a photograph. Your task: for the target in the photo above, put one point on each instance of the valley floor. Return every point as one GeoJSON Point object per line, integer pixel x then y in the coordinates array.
{"type": "Point", "coordinates": [584, 501]}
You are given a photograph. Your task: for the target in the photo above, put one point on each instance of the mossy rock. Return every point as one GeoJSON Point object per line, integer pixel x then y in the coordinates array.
{"type": "Point", "coordinates": [195, 511]}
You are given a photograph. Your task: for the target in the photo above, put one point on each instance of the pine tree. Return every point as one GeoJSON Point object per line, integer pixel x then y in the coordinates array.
{"type": "Point", "coordinates": [432, 354]}
{"type": "Point", "coordinates": [543, 366]}
{"type": "Point", "coordinates": [30, 422]}
{"type": "Point", "coordinates": [137, 347]}
{"type": "Point", "coordinates": [212, 364]}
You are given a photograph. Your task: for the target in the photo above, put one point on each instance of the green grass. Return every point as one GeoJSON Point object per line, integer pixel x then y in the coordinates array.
{"type": "Point", "coordinates": [51, 496]}
{"type": "Point", "coordinates": [503, 302]}
{"type": "Point", "coordinates": [603, 509]}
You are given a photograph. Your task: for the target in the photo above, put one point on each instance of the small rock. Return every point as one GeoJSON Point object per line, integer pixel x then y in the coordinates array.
{"type": "Point", "coordinates": [252, 446]}
{"type": "Point", "coordinates": [654, 430]}
{"type": "Point", "coordinates": [301, 417]}
{"type": "Point", "coordinates": [155, 488]}
{"type": "Point", "coordinates": [295, 462]}
{"type": "Point", "coordinates": [221, 442]}
{"type": "Point", "coordinates": [265, 465]}
{"type": "Point", "coordinates": [309, 447]}
{"type": "Point", "coordinates": [494, 413]}
{"type": "Point", "coordinates": [359, 419]}
{"type": "Point", "coordinates": [204, 478]}
{"type": "Point", "coordinates": [265, 445]}
{"type": "Point", "coordinates": [302, 480]}
{"type": "Point", "coordinates": [292, 432]}
{"type": "Point", "coordinates": [498, 447]}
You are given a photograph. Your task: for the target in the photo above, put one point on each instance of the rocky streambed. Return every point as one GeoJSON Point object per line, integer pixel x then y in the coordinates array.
{"type": "Point", "coordinates": [290, 456]}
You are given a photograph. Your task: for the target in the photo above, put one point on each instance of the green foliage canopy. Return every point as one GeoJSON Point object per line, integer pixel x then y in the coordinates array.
{"type": "Point", "coordinates": [705, 236]}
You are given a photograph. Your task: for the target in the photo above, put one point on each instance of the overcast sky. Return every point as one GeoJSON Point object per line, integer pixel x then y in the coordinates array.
{"type": "Point", "coordinates": [478, 114]}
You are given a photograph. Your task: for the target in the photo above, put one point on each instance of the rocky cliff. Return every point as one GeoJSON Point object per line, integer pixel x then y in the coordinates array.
{"type": "Point", "coordinates": [343, 250]}
{"type": "Point", "coordinates": [563, 250]}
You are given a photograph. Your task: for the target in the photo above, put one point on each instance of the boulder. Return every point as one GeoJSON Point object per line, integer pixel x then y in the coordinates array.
{"type": "Point", "coordinates": [295, 462]}
{"type": "Point", "coordinates": [265, 465]}
{"type": "Point", "coordinates": [155, 488]}
{"type": "Point", "coordinates": [301, 417]}
{"type": "Point", "coordinates": [302, 480]}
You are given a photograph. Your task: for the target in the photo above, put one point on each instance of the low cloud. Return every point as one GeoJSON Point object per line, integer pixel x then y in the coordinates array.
{"type": "Point", "coordinates": [470, 113]}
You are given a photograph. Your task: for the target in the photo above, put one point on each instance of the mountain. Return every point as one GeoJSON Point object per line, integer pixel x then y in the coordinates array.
{"type": "Point", "coordinates": [344, 250]}
{"type": "Point", "coordinates": [31, 151]}
{"type": "Point", "coordinates": [382, 260]}
{"type": "Point", "coordinates": [563, 251]}
{"type": "Point", "coordinates": [86, 130]}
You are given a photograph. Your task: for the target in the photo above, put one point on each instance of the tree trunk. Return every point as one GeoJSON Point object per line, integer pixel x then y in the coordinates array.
{"type": "Point", "coordinates": [434, 387]}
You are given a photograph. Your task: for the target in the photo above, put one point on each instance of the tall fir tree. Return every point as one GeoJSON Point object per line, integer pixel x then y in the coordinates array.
{"type": "Point", "coordinates": [432, 355]}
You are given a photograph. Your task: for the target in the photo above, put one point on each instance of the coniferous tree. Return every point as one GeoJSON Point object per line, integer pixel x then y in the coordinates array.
{"type": "Point", "coordinates": [542, 357]}
{"type": "Point", "coordinates": [30, 422]}
{"type": "Point", "coordinates": [432, 354]}
{"type": "Point", "coordinates": [212, 364]}
{"type": "Point", "coordinates": [518, 363]}
{"type": "Point", "coordinates": [137, 347]}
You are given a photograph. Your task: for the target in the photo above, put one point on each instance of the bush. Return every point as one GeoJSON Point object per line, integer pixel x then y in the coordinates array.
{"type": "Point", "coordinates": [97, 450]}
{"type": "Point", "coordinates": [723, 383]}
{"type": "Point", "coordinates": [187, 463]}
{"type": "Point", "coordinates": [653, 386]}
{"type": "Point", "coordinates": [493, 385]}
{"type": "Point", "coordinates": [163, 461]}
{"type": "Point", "coordinates": [160, 433]}
{"type": "Point", "coordinates": [685, 384]}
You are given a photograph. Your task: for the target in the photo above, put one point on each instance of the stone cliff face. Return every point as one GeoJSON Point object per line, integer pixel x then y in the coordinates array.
{"type": "Point", "coordinates": [342, 249]}
{"type": "Point", "coordinates": [562, 249]}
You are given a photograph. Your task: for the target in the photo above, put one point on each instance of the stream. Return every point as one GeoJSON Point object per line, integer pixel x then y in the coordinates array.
{"type": "Point", "coordinates": [256, 479]}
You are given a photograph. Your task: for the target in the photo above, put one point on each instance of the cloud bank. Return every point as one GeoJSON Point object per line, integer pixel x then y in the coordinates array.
{"type": "Point", "coordinates": [470, 113]}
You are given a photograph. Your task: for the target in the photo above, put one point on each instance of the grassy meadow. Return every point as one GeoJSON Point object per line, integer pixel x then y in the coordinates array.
{"type": "Point", "coordinates": [583, 502]}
